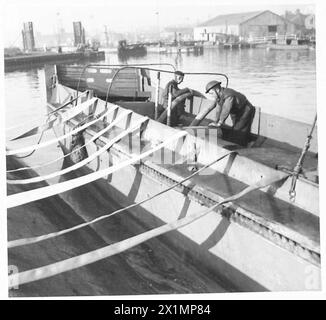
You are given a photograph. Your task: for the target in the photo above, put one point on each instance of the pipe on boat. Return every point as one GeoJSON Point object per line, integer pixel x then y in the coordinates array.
{"type": "Point", "coordinates": [202, 114]}
{"type": "Point", "coordinates": [157, 92]}
{"type": "Point", "coordinates": [162, 118]}
{"type": "Point", "coordinates": [168, 114]}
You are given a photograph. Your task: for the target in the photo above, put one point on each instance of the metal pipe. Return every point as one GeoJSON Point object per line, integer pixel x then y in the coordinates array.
{"type": "Point", "coordinates": [135, 66]}
{"type": "Point", "coordinates": [168, 118]}
{"type": "Point", "coordinates": [157, 93]}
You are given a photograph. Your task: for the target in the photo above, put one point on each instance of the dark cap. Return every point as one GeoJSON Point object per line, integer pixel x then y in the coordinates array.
{"type": "Point", "coordinates": [179, 73]}
{"type": "Point", "coordinates": [210, 85]}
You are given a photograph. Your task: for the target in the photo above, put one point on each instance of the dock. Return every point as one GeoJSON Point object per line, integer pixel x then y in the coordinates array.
{"type": "Point", "coordinates": [50, 57]}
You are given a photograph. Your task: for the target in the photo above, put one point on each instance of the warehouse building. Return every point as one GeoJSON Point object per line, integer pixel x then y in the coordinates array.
{"type": "Point", "coordinates": [244, 25]}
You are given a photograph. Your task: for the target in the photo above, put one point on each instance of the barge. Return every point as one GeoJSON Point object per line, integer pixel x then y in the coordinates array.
{"type": "Point", "coordinates": [131, 50]}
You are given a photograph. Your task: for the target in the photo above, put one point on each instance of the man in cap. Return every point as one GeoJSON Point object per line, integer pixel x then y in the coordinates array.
{"type": "Point", "coordinates": [173, 87]}
{"type": "Point", "coordinates": [229, 102]}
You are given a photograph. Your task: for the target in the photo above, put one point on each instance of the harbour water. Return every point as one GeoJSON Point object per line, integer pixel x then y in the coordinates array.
{"type": "Point", "coordinates": [279, 82]}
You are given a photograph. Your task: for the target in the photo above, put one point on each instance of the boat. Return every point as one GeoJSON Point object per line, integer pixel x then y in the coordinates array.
{"type": "Point", "coordinates": [127, 50]}
{"type": "Point", "coordinates": [246, 215]}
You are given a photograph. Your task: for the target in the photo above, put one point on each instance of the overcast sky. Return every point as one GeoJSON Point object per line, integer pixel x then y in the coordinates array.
{"type": "Point", "coordinates": [125, 15]}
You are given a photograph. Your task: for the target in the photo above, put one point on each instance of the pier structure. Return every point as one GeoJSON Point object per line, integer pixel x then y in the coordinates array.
{"type": "Point", "coordinates": [34, 56]}
{"type": "Point", "coordinates": [28, 37]}
{"type": "Point", "coordinates": [79, 34]}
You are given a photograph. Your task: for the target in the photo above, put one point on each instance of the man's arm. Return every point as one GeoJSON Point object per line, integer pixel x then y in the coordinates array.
{"type": "Point", "coordinates": [223, 112]}
{"type": "Point", "coordinates": [165, 93]}
{"type": "Point", "coordinates": [218, 112]}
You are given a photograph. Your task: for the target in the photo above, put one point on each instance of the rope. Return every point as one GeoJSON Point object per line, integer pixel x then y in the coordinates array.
{"type": "Point", "coordinates": [85, 161]}
{"type": "Point", "coordinates": [298, 167]}
{"type": "Point", "coordinates": [60, 119]}
{"type": "Point", "coordinates": [18, 199]}
{"type": "Point", "coordinates": [94, 137]}
{"type": "Point", "coordinates": [46, 115]}
{"type": "Point", "coordinates": [29, 154]}
{"type": "Point", "coordinates": [38, 142]}
{"type": "Point", "coordinates": [42, 133]}
{"type": "Point", "coordinates": [49, 142]}
{"type": "Point", "coordinates": [110, 250]}
{"type": "Point", "coordinates": [21, 242]}
{"type": "Point", "coordinates": [68, 103]}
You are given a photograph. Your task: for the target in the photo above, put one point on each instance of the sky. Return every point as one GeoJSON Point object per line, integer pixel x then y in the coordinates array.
{"type": "Point", "coordinates": [125, 15]}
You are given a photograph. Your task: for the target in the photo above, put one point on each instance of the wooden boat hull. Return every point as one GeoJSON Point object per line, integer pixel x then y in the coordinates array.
{"type": "Point", "coordinates": [262, 244]}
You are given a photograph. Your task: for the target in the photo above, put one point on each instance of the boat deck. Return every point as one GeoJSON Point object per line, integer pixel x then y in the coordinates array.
{"type": "Point", "coordinates": [268, 209]}
{"type": "Point", "coordinates": [259, 203]}
{"type": "Point", "coordinates": [269, 154]}
{"type": "Point", "coordinates": [281, 158]}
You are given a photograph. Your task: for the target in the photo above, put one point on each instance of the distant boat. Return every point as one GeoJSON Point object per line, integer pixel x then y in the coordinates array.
{"type": "Point", "coordinates": [125, 49]}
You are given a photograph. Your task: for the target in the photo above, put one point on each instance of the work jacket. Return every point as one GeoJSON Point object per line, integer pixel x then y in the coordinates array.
{"type": "Point", "coordinates": [176, 92]}
{"type": "Point", "coordinates": [231, 102]}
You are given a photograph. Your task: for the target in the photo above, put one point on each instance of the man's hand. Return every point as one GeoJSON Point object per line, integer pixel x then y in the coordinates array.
{"type": "Point", "coordinates": [216, 125]}
{"type": "Point", "coordinates": [219, 132]}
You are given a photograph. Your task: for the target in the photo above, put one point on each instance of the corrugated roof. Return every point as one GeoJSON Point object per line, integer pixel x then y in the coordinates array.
{"type": "Point", "coordinates": [235, 18]}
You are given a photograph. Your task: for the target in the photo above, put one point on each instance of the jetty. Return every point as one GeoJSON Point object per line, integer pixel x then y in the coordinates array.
{"type": "Point", "coordinates": [34, 56]}
{"type": "Point", "coordinates": [51, 57]}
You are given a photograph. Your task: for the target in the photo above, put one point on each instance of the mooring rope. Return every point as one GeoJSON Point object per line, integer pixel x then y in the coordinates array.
{"type": "Point", "coordinates": [38, 142]}
{"type": "Point", "coordinates": [29, 154]}
{"type": "Point", "coordinates": [44, 164]}
{"type": "Point", "coordinates": [102, 115]}
{"type": "Point", "coordinates": [18, 199]}
{"type": "Point", "coordinates": [63, 117]}
{"type": "Point", "coordinates": [80, 164]}
{"type": "Point", "coordinates": [68, 103]}
{"type": "Point", "coordinates": [51, 141]}
{"type": "Point", "coordinates": [110, 250]}
{"type": "Point", "coordinates": [298, 167]}
{"type": "Point", "coordinates": [40, 139]}
{"type": "Point", "coordinates": [34, 121]}
{"type": "Point", "coordinates": [41, 136]}
{"type": "Point", "coordinates": [22, 242]}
